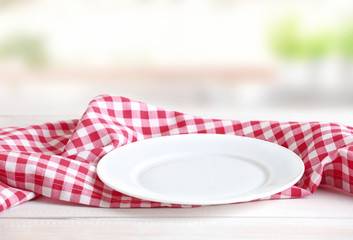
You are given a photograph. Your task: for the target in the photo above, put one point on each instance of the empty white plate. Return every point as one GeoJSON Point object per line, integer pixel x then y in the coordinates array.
{"type": "Point", "coordinates": [200, 169]}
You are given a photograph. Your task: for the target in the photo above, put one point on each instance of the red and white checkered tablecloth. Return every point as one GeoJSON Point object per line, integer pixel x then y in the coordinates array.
{"type": "Point", "coordinates": [58, 160]}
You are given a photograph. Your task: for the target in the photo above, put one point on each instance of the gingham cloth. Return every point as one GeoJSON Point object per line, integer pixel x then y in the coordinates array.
{"type": "Point", "coordinates": [58, 160]}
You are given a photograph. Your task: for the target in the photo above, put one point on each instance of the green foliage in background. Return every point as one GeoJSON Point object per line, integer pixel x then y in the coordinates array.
{"type": "Point", "coordinates": [30, 49]}
{"type": "Point", "coordinates": [288, 41]}
{"type": "Point", "coordinates": [317, 46]}
{"type": "Point", "coordinates": [346, 41]}
{"type": "Point", "coordinates": [285, 40]}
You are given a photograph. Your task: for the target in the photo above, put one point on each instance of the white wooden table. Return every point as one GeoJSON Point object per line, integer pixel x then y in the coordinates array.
{"type": "Point", "coordinates": [327, 214]}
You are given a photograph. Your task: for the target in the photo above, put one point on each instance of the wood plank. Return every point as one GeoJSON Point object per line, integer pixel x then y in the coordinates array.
{"type": "Point", "coordinates": [177, 228]}
{"type": "Point", "coordinates": [323, 203]}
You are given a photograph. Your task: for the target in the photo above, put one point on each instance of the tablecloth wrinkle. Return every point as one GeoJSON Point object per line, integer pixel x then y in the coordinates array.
{"type": "Point", "coordinates": [59, 159]}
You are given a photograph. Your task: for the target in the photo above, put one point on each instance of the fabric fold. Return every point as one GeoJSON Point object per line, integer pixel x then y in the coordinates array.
{"type": "Point", "coordinates": [58, 160]}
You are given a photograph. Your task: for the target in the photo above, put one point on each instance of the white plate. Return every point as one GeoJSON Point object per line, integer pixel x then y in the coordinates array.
{"type": "Point", "coordinates": [200, 169]}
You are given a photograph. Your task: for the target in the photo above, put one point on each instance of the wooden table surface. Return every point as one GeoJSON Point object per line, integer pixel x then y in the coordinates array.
{"type": "Point", "coordinates": [327, 214]}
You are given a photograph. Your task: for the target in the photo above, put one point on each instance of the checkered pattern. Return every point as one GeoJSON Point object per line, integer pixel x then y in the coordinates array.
{"type": "Point", "coordinates": [58, 160]}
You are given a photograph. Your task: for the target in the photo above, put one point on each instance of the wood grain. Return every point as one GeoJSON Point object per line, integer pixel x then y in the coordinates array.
{"type": "Point", "coordinates": [325, 203]}
{"type": "Point", "coordinates": [177, 228]}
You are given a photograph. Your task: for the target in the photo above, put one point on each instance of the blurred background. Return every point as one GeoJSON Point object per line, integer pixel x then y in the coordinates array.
{"type": "Point", "coordinates": [240, 59]}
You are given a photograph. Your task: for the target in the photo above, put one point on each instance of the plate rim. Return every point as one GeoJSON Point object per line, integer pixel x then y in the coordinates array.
{"type": "Point", "coordinates": [228, 200]}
